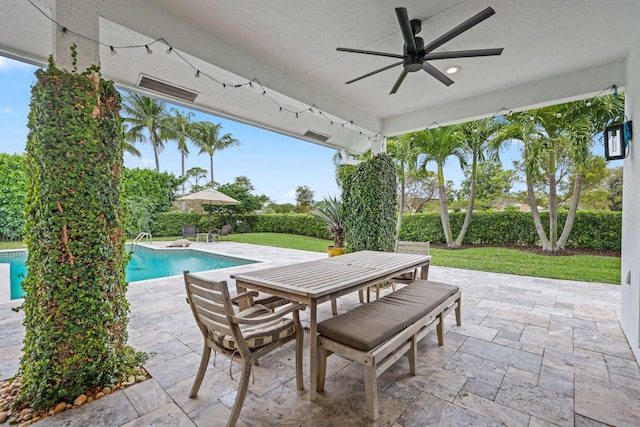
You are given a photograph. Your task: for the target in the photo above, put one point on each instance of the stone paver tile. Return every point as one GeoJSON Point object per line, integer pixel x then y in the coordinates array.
{"type": "Point", "coordinates": [602, 343]}
{"type": "Point", "coordinates": [537, 401]}
{"type": "Point", "coordinates": [428, 410]}
{"type": "Point", "coordinates": [494, 304]}
{"type": "Point", "coordinates": [607, 402]}
{"type": "Point", "coordinates": [530, 319]}
{"type": "Point", "coordinates": [561, 339]}
{"type": "Point", "coordinates": [147, 396]}
{"type": "Point", "coordinates": [522, 375]}
{"type": "Point", "coordinates": [441, 383]}
{"type": "Point", "coordinates": [491, 409]}
{"type": "Point", "coordinates": [591, 312]}
{"type": "Point", "coordinates": [282, 407]}
{"type": "Point", "coordinates": [269, 374]}
{"type": "Point", "coordinates": [112, 410]}
{"type": "Point", "coordinates": [562, 322]}
{"type": "Point", "coordinates": [481, 388]}
{"type": "Point", "coordinates": [477, 367]}
{"type": "Point", "coordinates": [503, 355]}
{"type": "Point", "coordinates": [164, 351]}
{"type": "Point", "coordinates": [169, 415]}
{"type": "Point", "coordinates": [624, 367]}
{"type": "Point", "coordinates": [576, 362]}
{"type": "Point", "coordinates": [610, 328]}
{"type": "Point", "coordinates": [528, 347]}
{"type": "Point", "coordinates": [503, 325]}
{"type": "Point", "coordinates": [215, 385]}
{"type": "Point", "coordinates": [542, 310]}
{"type": "Point", "coordinates": [558, 380]}
{"type": "Point", "coordinates": [581, 421]}
{"type": "Point", "coordinates": [537, 422]}
{"type": "Point", "coordinates": [475, 331]}
{"type": "Point", "coordinates": [175, 370]}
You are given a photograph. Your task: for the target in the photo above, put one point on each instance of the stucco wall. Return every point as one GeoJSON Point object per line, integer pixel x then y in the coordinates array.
{"type": "Point", "coordinates": [630, 274]}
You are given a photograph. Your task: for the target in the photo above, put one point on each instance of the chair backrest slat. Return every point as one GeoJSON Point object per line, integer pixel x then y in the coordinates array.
{"type": "Point", "coordinates": [406, 247]}
{"type": "Point", "coordinates": [210, 303]}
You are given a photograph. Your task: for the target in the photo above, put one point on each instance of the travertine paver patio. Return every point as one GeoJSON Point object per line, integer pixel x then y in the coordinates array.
{"type": "Point", "coordinates": [531, 352]}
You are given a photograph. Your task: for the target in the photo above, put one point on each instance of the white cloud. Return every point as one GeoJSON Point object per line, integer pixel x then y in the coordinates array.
{"type": "Point", "coordinates": [291, 194]}
{"type": "Point", "coordinates": [6, 110]}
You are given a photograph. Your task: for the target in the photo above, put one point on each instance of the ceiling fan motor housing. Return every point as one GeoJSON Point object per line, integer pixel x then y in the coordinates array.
{"type": "Point", "coordinates": [414, 63]}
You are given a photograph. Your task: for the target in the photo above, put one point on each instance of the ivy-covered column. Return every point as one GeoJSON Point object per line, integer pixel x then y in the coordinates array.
{"type": "Point", "coordinates": [369, 198]}
{"type": "Point", "coordinates": [76, 313]}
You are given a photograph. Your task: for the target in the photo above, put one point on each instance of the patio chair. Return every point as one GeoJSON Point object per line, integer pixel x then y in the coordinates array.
{"type": "Point", "coordinates": [224, 231]}
{"type": "Point", "coordinates": [189, 230]}
{"type": "Point", "coordinates": [404, 247]}
{"type": "Point", "coordinates": [241, 335]}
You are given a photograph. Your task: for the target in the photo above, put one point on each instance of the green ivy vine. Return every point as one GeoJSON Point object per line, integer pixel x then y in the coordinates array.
{"type": "Point", "coordinates": [76, 313]}
{"type": "Point", "coordinates": [369, 206]}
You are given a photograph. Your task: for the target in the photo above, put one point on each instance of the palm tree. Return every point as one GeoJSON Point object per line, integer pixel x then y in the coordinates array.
{"type": "Point", "coordinates": [475, 141]}
{"type": "Point", "coordinates": [402, 152]}
{"type": "Point", "coordinates": [181, 130]}
{"type": "Point", "coordinates": [437, 145]}
{"type": "Point", "coordinates": [552, 135]}
{"type": "Point", "coordinates": [207, 137]}
{"type": "Point", "coordinates": [142, 113]}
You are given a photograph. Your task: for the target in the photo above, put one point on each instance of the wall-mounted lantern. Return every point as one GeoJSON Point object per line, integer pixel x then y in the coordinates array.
{"type": "Point", "coordinates": [616, 141]}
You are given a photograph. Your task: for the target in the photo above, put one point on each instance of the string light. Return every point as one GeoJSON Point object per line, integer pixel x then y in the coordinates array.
{"type": "Point", "coordinates": [171, 50]}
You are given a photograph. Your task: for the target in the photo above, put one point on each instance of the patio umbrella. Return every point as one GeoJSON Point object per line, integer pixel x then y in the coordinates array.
{"type": "Point", "coordinates": [210, 197]}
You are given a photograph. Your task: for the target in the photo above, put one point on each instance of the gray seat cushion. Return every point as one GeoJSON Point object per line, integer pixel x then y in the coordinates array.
{"type": "Point", "coordinates": [369, 325]}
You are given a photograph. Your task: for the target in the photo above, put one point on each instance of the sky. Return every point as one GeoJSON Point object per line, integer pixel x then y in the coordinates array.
{"type": "Point", "coordinates": [275, 164]}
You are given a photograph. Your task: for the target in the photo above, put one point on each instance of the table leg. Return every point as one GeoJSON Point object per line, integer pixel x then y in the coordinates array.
{"type": "Point", "coordinates": [313, 351]}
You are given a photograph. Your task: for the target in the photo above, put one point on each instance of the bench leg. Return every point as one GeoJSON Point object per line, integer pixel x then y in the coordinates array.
{"type": "Point", "coordinates": [334, 306]}
{"type": "Point", "coordinates": [459, 313]}
{"type": "Point", "coordinates": [371, 392]}
{"type": "Point", "coordinates": [413, 355]}
{"type": "Point", "coordinates": [322, 369]}
{"type": "Point", "coordinates": [440, 330]}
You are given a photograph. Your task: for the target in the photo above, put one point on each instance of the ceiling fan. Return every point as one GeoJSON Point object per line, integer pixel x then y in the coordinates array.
{"type": "Point", "coordinates": [415, 55]}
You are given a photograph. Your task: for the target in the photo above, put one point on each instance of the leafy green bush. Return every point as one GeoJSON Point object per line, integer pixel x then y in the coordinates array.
{"type": "Point", "coordinates": [13, 187]}
{"type": "Point", "coordinates": [170, 223]}
{"type": "Point", "coordinates": [601, 230]}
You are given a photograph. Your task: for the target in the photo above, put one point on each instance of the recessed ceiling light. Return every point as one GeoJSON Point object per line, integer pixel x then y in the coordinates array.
{"type": "Point", "coordinates": [453, 69]}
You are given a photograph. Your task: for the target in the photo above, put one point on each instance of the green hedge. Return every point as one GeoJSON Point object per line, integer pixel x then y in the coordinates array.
{"type": "Point", "coordinates": [601, 230]}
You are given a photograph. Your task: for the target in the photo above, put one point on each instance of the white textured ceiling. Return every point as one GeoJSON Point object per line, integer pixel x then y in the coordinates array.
{"type": "Point", "coordinates": [553, 50]}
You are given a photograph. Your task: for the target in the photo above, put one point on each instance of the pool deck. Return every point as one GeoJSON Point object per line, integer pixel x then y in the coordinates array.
{"type": "Point", "coordinates": [530, 352]}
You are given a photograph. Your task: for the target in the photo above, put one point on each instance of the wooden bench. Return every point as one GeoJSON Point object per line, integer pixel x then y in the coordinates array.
{"type": "Point", "coordinates": [379, 333]}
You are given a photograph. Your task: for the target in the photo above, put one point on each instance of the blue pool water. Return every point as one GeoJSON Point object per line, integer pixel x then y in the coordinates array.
{"type": "Point", "coordinates": [145, 264]}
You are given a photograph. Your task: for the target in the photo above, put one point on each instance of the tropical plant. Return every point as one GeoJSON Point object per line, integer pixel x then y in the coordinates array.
{"type": "Point", "coordinates": [330, 212]}
{"type": "Point", "coordinates": [551, 137]}
{"type": "Point", "coordinates": [304, 199]}
{"type": "Point", "coordinates": [206, 135]}
{"type": "Point", "coordinates": [403, 153]}
{"type": "Point", "coordinates": [181, 130]}
{"type": "Point", "coordinates": [437, 145]}
{"type": "Point", "coordinates": [13, 188]}
{"type": "Point", "coordinates": [475, 140]}
{"type": "Point", "coordinates": [146, 115]}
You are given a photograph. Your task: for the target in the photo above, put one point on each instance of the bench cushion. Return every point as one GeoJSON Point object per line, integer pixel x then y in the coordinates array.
{"type": "Point", "coordinates": [369, 325]}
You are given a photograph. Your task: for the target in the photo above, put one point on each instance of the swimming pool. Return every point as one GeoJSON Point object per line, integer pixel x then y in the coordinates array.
{"type": "Point", "coordinates": [145, 264]}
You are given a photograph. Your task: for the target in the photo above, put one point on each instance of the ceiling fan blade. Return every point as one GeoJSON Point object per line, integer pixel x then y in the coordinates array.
{"type": "Point", "coordinates": [463, 54]}
{"type": "Point", "coordinates": [407, 32]}
{"type": "Point", "coordinates": [369, 52]}
{"type": "Point", "coordinates": [471, 22]}
{"type": "Point", "coordinates": [437, 74]}
{"type": "Point", "coordinates": [375, 72]}
{"type": "Point", "coordinates": [396, 86]}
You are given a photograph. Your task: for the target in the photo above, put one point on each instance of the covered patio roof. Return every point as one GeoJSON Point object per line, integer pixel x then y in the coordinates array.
{"type": "Point", "coordinates": [553, 51]}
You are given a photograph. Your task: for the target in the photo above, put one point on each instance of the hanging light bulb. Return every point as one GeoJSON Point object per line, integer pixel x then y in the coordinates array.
{"type": "Point", "coordinates": [588, 103]}
{"type": "Point", "coordinates": [169, 50]}
{"type": "Point", "coordinates": [197, 74]}
{"type": "Point", "coordinates": [558, 115]}
{"type": "Point", "coordinates": [112, 51]}
{"type": "Point", "coordinates": [149, 51]}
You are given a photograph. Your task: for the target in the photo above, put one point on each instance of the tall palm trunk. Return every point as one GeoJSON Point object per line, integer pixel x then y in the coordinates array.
{"type": "Point", "coordinates": [154, 144]}
{"type": "Point", "coordinates": [467, 217]}
{"type": "Point", "coordinates": [444, 210]}
{"type": "Point", "coordinates": [536, 215]}
{"type": "Point", "coordinates": [571, 215]}
{"type": "Point", "coordinates": [400, 203]}
{"type": "Point", "coordinates": [211, 167]}
{"type": "Point", "coordinates": [553, 205]}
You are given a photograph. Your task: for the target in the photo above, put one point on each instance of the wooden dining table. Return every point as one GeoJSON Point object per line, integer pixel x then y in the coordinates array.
{"type": "Point", "coordinates": [315, 282]}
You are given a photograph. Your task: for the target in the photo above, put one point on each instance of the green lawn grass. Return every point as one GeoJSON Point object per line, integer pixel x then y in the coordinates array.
{"type": "Point", "coordinates": [587, 268]}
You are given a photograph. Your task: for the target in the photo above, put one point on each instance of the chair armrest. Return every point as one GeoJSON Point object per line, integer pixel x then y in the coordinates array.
{"type": "Point", "coordinates": [244, 295]}
{"type": "Point", "coordinates": [274, 316]}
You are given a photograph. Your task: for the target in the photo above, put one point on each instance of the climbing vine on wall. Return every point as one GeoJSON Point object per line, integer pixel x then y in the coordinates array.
{"type": "Point", "coordinates": [76, 313]}
{"type": "Point", "coordinates": [369, 202]}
